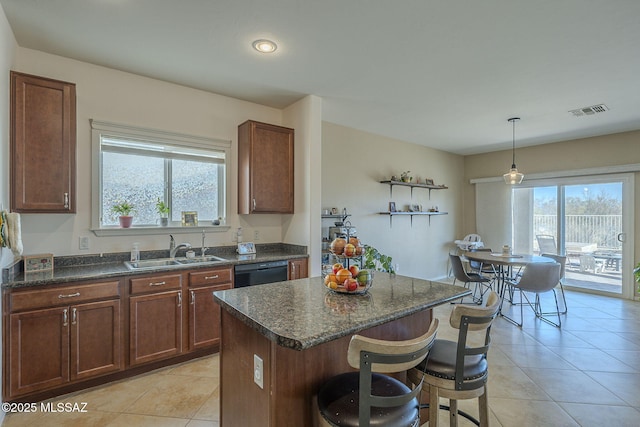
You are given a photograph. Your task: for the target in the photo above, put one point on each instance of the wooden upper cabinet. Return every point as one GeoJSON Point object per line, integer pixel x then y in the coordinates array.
{"type": "Point", "coordinates": [43, 145]}
{"type": "Point", "coordinates": [265, 168]}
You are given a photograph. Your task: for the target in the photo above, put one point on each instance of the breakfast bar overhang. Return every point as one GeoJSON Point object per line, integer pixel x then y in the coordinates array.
{"type": "Point", "coordinates": [300, 332]}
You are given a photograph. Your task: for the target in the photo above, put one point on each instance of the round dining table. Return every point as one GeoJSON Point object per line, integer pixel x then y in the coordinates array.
{"type": "Point", "coordinates": [503, 265]}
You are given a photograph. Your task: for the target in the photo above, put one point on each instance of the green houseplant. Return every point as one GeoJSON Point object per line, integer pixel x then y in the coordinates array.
{"type": "Point", "coordinates": [163, 210]}
{"type": "Point", "coordinates": [124, 210]}
{"type": "Point", "coordinates": [636, 274]}
{"type": "Point", "coordinates": [375, 260]}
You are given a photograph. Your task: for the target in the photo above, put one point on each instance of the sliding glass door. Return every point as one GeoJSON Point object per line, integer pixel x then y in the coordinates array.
{"type": "Point", "coordinates": [587, 219]}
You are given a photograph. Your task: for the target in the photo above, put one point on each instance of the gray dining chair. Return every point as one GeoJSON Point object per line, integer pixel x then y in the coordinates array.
{"type": "Point", "coordinates": [562, 260]}
{"type": "Point", "coordinates": [537, 278]}
{"type": "Point", "coordinates": [483, 283]}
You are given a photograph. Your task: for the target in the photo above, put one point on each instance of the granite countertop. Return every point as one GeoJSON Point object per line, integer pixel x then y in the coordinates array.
{"type": "Point", "coordinates": [303, 313]}
{"type": "Point", "coordinates": [87, 267]}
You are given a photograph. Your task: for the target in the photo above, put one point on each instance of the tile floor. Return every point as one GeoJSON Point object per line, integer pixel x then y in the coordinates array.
{"type": "Point", "coordinates": [586, 374]}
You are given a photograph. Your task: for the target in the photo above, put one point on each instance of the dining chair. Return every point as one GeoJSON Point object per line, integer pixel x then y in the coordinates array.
{"type": "Point", "coordinates": [369, 397]}
{"type": "Point", "coordinates": [537, 278]}
{"type": "Point", "coordinates": [562, 260]}
{"type": "Point", "coordinates": [483, 283]}
{"type": "Point", "coordinates": [458, 370]}
{"type": "Point", "coordinates": [483, 268]}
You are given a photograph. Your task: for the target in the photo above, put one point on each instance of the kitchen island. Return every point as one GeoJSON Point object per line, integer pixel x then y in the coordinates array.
{"type": "Point", "coordinates": [300, 332]}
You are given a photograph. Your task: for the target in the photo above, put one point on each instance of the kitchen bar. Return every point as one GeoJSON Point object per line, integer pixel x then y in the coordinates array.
{"type": "Point", "coordinates": [298, 331]}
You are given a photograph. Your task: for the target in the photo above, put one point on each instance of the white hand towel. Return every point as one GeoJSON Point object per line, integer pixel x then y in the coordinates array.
{"type": "Point", "coordinates": [14, 235]}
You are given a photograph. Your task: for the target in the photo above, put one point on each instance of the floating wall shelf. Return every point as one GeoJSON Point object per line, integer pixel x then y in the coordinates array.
{"type": "Point", "coordinates": [411, 214]}
{"type": "Point", "coordinates": [413, 185]}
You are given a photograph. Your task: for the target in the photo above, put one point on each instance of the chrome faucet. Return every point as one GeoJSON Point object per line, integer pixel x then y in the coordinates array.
{"type": "Point", "coordinates": [173, 248]}
{"type": "Point", "coordinates": [203, 250]}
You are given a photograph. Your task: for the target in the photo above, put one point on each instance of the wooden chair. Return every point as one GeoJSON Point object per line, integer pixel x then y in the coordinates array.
{"type": "Point", "coordinates": [459, 370]}
{"type": "Point", "coordinates": [368, 397]}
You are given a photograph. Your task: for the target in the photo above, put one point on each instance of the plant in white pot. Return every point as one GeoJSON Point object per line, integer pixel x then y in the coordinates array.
{"type": "Point", "coordinates": [163, 211]}
{"type": "Point", "coordinates": [124, 210]}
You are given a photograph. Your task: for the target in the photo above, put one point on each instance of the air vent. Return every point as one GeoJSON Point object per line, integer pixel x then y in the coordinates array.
{"type": "Point", "coordinates": [589, 111]}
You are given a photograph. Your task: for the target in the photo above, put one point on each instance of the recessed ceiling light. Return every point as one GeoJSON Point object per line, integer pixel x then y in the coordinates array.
{"type": "Point", "coordinates": [264, 46]}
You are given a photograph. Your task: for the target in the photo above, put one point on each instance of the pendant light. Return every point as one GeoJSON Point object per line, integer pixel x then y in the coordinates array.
{"type": "Point", "coordinates": [513, 176]}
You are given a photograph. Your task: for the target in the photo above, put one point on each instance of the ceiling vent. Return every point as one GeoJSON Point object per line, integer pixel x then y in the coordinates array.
{"type": "Point", "coordinates": [589, 111]}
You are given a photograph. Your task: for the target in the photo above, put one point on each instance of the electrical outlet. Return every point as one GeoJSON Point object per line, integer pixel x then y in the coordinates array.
{"type": "Point", "coordinates": [397, 268]}
{"type": "Point", "coordinates": [258, 373]}
{"type": "Point", "coordinates": [83, 243]}
{"type": "Point", "coordinates": [256, 234]}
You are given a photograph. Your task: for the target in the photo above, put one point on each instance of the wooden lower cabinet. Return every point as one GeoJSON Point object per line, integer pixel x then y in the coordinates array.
{"type": "Point", "coordinates": [204, 316]}
{"type": "Point", "coordinates": [298, 269]}
{"type": "Point", "coordinates": [51, 347]}
{"type": "Point", "coordinates": [155, 326]}
{"type": "Point", "coordinates": [204, 312]}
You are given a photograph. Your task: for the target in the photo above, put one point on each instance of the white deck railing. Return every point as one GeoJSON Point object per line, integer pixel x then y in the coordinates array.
{"type": "Point", "coordinates": [600, 229]}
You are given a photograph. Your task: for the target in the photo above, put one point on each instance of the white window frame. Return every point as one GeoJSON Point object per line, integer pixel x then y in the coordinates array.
{"type": "Point", "coordinates": [100, 128]}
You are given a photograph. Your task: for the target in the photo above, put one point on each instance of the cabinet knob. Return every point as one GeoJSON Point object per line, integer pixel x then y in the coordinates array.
{"type": "Point", "coordinates": [179, 299]}
{"type": "Point", "coordinates": [66, 200]}
{"type": "Point", "coordinates": [157, 283]}
{"type": "Point", "coordinates": [74, 315]}
{"type": "Point", "coordinates": [65, 317]}
{"type": "Point", "coordinates": [254, 204]}
{"type": "Point", "coordinates": [211, 277]}
{"type": "Point", "coordinates": [193, 297]}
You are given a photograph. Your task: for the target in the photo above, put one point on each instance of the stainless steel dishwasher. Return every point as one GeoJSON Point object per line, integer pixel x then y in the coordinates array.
{"type": "Point", "coordinates": [260, 273]}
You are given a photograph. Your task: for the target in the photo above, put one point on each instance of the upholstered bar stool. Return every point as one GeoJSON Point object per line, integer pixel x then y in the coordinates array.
{"type": "Point", "coordinates": [368, 397]}
{"type": "Point", "coordinates": [459, 370]}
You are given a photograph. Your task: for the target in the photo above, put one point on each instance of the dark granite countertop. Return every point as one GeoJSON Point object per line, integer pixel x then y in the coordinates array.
{"type": "Point", "coordinates": [87, 267]}
{"type": "Point", "coordinates": [303, 313]}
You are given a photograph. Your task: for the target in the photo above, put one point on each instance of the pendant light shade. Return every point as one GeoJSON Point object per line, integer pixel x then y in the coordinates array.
{"type": "Point", "coordinates": [513, 177]}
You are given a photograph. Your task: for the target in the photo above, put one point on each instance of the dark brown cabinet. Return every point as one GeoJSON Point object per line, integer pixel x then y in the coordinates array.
{"type": "Point", "coordinates": [265, 168]}
{"type": "Point", "coordinates": [204, 312]}
{"type": "Point", "coordinates": [52, 343]}
{"type": "Point", "coordinates": [43, 145]}
{"type": "Point", "coordinates": [155, 318]}
{"type": "Point", "coordinates": [298, 269]}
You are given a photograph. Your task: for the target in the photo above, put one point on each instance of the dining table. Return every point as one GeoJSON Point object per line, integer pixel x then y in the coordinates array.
{"type": "Point", "coordinates": [504, 265]}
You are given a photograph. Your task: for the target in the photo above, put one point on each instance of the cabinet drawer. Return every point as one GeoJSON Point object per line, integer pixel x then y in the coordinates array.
{"type": "Point", "coordinates": [210, 277]}
{"type": "Point", "coordinates": [156, 283]}
{"type": "Point", "coordinates": [48, 297]}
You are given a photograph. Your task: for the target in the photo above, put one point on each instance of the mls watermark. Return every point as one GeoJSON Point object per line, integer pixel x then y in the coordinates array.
{"type": "Point", "coordinates": [48, 407]}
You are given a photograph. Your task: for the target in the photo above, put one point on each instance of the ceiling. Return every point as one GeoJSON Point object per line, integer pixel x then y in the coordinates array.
{"type": "Point", "coordinates": [445, 74]}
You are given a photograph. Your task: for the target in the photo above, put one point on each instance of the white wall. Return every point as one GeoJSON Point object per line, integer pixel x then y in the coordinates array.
{"type": "Point", "coordinates": [115, 96]}
{"type": "Point", "coordinates": [305, 116]}
{"type": "Point", "coordinates": [8, 48]}
{"type": "Point", "coordinates": [354, 163]}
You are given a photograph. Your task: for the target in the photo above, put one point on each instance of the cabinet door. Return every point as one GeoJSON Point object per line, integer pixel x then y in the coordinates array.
{"type": "Point", "coordinates": [204, 316]}
{"type": "Point", "coordinates": [43, 144]}
{"type": "Point", "coordinates": [39, 350]}
{"type": "Point", "coordinates": [298, 269]}
{"type": "Point", "coordinates": [96, 346]}
{"type": "Point", "coordinates": [265, 168]}
{"type": "Point", "coordinates": [155, 326]}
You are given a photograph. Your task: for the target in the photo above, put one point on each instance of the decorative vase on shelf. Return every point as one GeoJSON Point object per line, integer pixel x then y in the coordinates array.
{"type": "Point", "coordinates": [164, 221]}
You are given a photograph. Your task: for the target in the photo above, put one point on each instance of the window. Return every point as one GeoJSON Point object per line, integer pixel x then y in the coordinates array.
{"type": "Point", "coordinates": [142, 166]}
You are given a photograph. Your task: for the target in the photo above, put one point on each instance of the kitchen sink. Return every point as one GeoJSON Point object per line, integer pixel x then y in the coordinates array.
{"type": "Point", "coordinates": [155, 264]}
{"type": "Point", "coordinates": [147, 264]}
{"type": "Point", "coordinates": [200, 259]}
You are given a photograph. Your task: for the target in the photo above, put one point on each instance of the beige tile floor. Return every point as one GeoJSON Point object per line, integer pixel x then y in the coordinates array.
{"type": "Point", "coordinates": [586, 374]}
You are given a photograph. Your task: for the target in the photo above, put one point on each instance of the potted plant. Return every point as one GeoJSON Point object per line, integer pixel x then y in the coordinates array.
{"type": "Point", "coordinates": [123, 210]}
{"type": "Point", "coordinates": [163, 211]}
{"type": "Point", "coordinates": [636, 274]}
{"type": "Point", "coordinates": [374, 260]}
{"type": "Point", "coordinates": [405, 177]}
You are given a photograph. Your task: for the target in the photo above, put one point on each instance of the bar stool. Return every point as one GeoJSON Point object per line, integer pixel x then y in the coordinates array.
{"type": "Point", "coordinates": [369, 398]}
{"type": "Point", "coordinates": [459, 370]}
